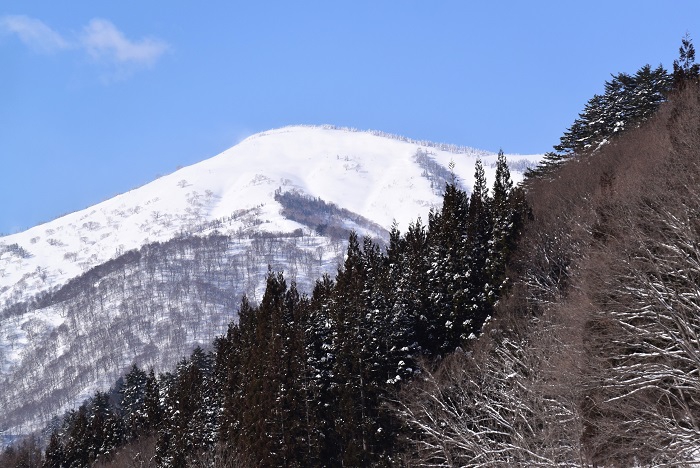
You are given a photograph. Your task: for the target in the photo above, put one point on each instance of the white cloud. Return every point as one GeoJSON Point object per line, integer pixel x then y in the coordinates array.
{"type": "Point", "coordinates": [100, 39]}
{"type": "Point", "coordinates": [33, 33]}
{"type": "Point", "coordinates": [103, 41]}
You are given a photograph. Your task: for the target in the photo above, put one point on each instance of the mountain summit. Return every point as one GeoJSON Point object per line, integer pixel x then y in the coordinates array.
{"type": "Point", "coordinates": [147, 275]}
{"type": "Point", "coordinates": [383, 178]}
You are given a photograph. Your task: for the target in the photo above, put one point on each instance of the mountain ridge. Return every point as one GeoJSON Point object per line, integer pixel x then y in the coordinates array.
{"type": "Point", "coordinates": [201, 205]}
{"type": "Point", "coordinates": [185, 247]}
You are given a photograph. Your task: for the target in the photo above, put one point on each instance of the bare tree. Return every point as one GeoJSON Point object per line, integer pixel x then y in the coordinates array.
{"type": "Point", "coordinates": [514, 404]}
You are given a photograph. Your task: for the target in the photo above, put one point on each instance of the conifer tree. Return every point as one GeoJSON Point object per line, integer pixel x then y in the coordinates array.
{"type": "Point", "coordinates": [502, 229]}
{"type": "Point", "coordinates": [412, 324]}
{"type": "Point", "coordinates": [189, 427]}
{"type": "Point", "coordinates": [627, 101]}
{"type": "Point", "coordinates": [232, 350]}
{"type": "Point", "coordinates": [684, 68]}
{"type": "Point", "coordinates": [448, 267]}
{"type": "Point", "coordinates": [132, 404]}
{"type": "Point", "coordinates": [79, 439]}
{"type": "Point", "coordinates": [323, 444]}
{"type": "Point", "coordinates": [151, 403]}
{"type": "Point", "coordinates": [359, 368]}
{"type": "Point", "coordinates": [476, 250]}
{"type": "Point", "coordinates": [54, 456]}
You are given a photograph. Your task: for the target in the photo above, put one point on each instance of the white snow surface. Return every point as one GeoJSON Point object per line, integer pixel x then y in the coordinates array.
{"type": "Point", "coordinates": [373, 175]}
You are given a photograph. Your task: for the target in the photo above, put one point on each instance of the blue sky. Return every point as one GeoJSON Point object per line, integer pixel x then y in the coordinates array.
{"type": "Point", "coordinates": [99, 97]}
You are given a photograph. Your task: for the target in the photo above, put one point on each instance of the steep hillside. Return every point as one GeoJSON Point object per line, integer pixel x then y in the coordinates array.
{"type": "Point", "coordinates": [593, 359]}
{"type": "Point", "coordinates": [147, 275]}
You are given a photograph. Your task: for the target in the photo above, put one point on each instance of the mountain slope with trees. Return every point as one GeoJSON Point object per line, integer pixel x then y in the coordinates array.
{"type": "Point", "coordinates": [305, 381]}
{"type": "Point", "coordinates": [149, 275]}
{"type": "Point", "coordinates": [592, 359]}
{"type": "Point", "coordinates": [556, 325]}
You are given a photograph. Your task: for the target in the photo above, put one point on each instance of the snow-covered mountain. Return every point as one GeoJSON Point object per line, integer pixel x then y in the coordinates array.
{"type": "Point", "coordinates": [146, 275]}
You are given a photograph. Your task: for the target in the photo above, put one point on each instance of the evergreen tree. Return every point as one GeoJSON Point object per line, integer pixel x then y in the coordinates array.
{"type": "Point", "coordinates": [684, 68]}
{"type": "Point", "coordinates": [412, 325]}
{"type": "Point", "coordinates": [448, 267]}
{"type": "Point", "coordinates": [651, 87]}
{"type": "Point", "coordinates": [627, 101]}
{"type": "Point", "coordinates": [323, 444]}
{"type": "Point", "coordinates": [500, 244]}
{"type": "Point", "coordinates": [54, 456]}
{"type": "Point", "coordinates": [78, 439]}
{"type": "Point", "coordinates": [590, 127]}
{"type": "Point", "coordinates": [359, 368]}
{"type": "Point", "coordinates": [228, 366]}
{"type": "Point", "coordinates": [132, 404]}
{"type": "Point", "coordinates": [189, 426]}
{"type": "Point", "coordinates": [476, 251]}
{"type": "Point", "coordinates": [151, 404]}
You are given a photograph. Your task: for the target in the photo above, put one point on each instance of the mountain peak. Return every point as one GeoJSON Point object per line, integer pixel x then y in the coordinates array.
{"type": "Point", "coordinates": [205, 235]}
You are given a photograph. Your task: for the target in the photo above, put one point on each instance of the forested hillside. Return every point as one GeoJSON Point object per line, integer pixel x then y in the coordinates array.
{"type": "Point", "coordinates": [551, 324]}
{"type": "Point", "coordinates": [593, 358]}
{"type": "Point", "coordinates": [306, 381]}
{"type": "Point", "coordinates": [145, 277]}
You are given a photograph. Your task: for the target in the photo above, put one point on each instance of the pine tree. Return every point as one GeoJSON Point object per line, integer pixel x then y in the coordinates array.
{"type": "Point", "coordinates": [684, 68]}
{"type": "Point", "coordinates": [359, 368]}
{"type": "Point", "coordinates": [78, 440]}
{"type": "Point", "coordinates": [651, 87]}
{"type": "Point", "coordinates": [547, 166]}
{"type": "Point", "coordinates": [589, 128]}
{"type": "Point", "coordinates": [229, 359]}
{"type": "Point", "coordinates": [412, 324]}
{"type": "Point", "coordinates": [323, 445]}
{"type": "Point", "coordinates": [151, 404]}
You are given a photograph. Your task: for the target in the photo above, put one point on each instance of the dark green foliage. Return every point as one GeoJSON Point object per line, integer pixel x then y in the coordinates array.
{"type": "Point", "coordinates": [508, 213]}
{"type": "Point", "coordinates": [54, 455]}
{"type": "Point", "coordinates": [476, 249]}
{"type": "Point", "coordinates": [133, 402]}
{"type": "Point", "coordinates": [190, 411]}
{"type": "Point", "coordinates": [412, 323]}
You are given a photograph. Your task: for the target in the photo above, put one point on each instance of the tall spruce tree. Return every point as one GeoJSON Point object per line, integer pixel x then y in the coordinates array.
{"type": "Point", "coordinates": [412, 324]}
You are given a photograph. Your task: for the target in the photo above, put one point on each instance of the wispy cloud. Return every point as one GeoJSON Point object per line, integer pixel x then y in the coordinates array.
{"type": "Point", "coordinates": [103, 41]}
{"type": "Point", "coordinates": [100, 39]}
{"type": "Point", "coordinates": [33, 33]}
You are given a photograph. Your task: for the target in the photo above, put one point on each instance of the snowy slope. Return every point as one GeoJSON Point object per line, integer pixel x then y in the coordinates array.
{"type": "Point", "coordinates": [371, 175]}
{"type": "Point", "coordinates": [378, 177]}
